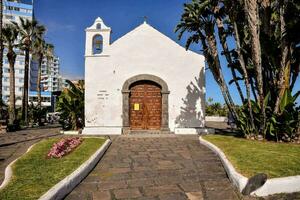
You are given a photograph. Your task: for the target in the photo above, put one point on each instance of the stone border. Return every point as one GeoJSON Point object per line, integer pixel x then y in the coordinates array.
{"type": "Point", "coordinates": [8, 169]}
{"type": "Point", "coordinates": [71, 132]}
{"type": "Point", "coordinates": [194, 131]}
{"type": "Point", "coordinates": [272, 186]}
{"type": "Point", "coordinates": [65, 186]}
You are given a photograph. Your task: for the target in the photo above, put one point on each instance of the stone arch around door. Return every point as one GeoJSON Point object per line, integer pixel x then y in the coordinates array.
{"type": "Point", "coordinates": [126, 95]}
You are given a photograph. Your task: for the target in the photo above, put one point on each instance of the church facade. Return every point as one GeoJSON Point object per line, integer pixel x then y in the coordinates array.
{"type": "Point", "coordinates": [143, 81]}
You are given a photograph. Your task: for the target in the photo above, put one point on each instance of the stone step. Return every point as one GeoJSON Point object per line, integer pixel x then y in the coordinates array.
{"type": "Point", "coordinates": [138, 132]}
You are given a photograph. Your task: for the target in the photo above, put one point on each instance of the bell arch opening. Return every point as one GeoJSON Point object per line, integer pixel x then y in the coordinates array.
{"type": "Point", "coordinates": [97, 44]}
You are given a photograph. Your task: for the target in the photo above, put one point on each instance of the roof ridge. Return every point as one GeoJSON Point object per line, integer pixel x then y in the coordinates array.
{"type": "Point", "coordinates": [146, 24]}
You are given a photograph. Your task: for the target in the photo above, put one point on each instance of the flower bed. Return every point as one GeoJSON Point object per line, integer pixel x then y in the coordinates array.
{"type": "Point", "coordinates": [34, 173]}
{"type": "Point", "coordinates": [63, 147]}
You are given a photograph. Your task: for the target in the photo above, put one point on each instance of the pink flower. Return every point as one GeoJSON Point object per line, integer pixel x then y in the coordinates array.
{"type": "Point", "coordinates": [63, 147]}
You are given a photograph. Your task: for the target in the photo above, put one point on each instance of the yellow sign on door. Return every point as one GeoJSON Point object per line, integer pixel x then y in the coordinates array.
{"type": "Point", "coordinates": [136, 106]}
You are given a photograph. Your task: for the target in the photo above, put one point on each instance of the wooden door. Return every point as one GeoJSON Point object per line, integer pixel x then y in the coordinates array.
{"type": "Point", "coordinates": [145, 106]}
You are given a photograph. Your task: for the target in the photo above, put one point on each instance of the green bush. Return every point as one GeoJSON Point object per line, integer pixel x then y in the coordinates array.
{"type": "Point", "coordinates": [283, 126]}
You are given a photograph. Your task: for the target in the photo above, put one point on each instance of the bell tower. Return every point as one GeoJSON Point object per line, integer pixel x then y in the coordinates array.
{"type": "Point", "coordinates": [97, 38]}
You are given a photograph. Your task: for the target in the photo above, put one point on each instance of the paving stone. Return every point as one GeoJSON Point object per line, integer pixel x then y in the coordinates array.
{"type": "Point", "coordinates": [168, 180]}
{"type": "Point", "coordinates": [79, 195]}
{"type": "Point", "coordinates": [218, 185]}
{"type": "Point", "coordinates": [107, 185]}
{"type": "Point", "coordinates": [127, 193]}
{"type": "Point", "coordinates": [195, 195]}
{"type": "Point", "coordinates": [101, 195]}
{"type": "Point", "coordinates": [140, 182]}
{"type": "Point", "coordinates": [157, 190]}
{"type": "Point", "coordinates": [173, 196]}
{"type": "Point", "coordinates": [119, 170]}
{"type": "Point", "coordinates": [190, 186]}
{"type": "Point", "coordinates": [221, 195]}
{"type": "Point", "coordinates": [87, 187]}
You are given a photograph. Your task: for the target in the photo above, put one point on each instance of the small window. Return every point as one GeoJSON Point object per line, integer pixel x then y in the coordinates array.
{"type": "Point", "coordinates": [98, 26]}
{"type": "Point", "coordinates": [97, 44]}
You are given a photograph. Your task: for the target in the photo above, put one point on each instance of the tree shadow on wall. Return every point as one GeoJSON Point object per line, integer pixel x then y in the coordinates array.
{"type": "Point", "coordinates": [192, 111]}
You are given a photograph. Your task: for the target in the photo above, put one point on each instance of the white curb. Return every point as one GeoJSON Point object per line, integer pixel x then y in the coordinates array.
{"type": "Point", "coordinates": [65, 186]}
{"type": "Point", "coordinates": [288, 184]}
{"type": "Point", "coordinates": [8, 170]}
{"type": "Point", "coordinates": [272, 186]}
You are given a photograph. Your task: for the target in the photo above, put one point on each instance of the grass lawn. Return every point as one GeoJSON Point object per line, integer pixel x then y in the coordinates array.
{"type": "Point", "coordinates": [34, 174]}
{"type": "Point", "coordinates": [251, 157]}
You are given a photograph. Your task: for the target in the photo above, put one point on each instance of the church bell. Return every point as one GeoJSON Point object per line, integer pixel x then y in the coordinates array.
{"type": "Point", "coordinates": [98, 44]}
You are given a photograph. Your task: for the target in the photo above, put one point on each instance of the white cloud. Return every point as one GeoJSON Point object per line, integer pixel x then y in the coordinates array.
{"type": "Point", "coordinates": [53, 26]}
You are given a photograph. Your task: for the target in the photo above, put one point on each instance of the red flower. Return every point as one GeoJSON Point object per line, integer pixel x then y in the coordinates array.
{"type": "Point", "coordinates": [63, 147]}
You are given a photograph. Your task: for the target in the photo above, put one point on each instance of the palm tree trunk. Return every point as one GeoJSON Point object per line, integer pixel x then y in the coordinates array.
{"type": "Point", "coordinates": [25, 89]}
{"type": "Point", "coordinates": [217, 72]}
{"type": "Point", "coordinates": [283, 82]}
{"type": "Point", "coordinates": [222, 37]}
{"type": "Point", "coordinates": [39, 89]}
{"type": "Point", "coordinates": [252, 16]}
{"type": "Point", "coordinates": [1, 51]}
{"type": "Point", "coordinates": [245, 73]}
{"type": "Point", "coordinates": [12, 96]}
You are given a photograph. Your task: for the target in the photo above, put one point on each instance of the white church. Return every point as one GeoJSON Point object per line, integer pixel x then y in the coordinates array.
{"type": "Point", "coordinates": [142, 82]}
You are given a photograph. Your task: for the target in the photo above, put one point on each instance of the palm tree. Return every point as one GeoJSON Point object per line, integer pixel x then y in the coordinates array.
{"type": "Point", "coordinates": [29, 31]}
{"type": "Point", "coordinates": [10, 36]}
{"type": "Point", "coordinates": [199, 19]}
{"type": "Point", "coordinates": [42, 50]}
{"type": "Point", "coordinates": [252, 15]}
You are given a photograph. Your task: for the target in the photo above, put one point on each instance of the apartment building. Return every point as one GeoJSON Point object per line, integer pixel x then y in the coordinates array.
{"type": "Point", "coordinates": [12, 11]}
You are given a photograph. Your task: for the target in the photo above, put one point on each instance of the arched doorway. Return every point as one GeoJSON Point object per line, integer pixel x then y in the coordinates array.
{"type": "Point", "coordinates": [145, 103]}
{"type": "Point", "coordinates": [145, 106]}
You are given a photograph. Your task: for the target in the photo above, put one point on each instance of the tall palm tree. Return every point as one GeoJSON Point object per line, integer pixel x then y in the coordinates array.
{"type": "Point", "coordinates": [252, 16]}
{"type": "Point", "coordinates": [41, 50]}
{"type": "Point", "coordinates": [29, 31]}
{"type": "Point", "coordinates": [199, 20]}
{"type": "Point", "coordinates": [10, 37]}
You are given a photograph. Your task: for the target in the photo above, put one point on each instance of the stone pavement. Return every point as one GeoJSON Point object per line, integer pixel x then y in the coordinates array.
{"type": "Point", "coordinates": [14, 144]}
{"type": "Point", "coordinates": [156, 167]}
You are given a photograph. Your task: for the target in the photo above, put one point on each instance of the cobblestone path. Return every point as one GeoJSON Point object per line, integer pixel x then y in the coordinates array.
{"type": "Point", "coordinates": [156, 167]}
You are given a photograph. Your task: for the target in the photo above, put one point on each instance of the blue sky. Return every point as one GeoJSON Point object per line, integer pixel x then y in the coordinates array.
{"type": "Point", "coordinates": [66, 20]}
